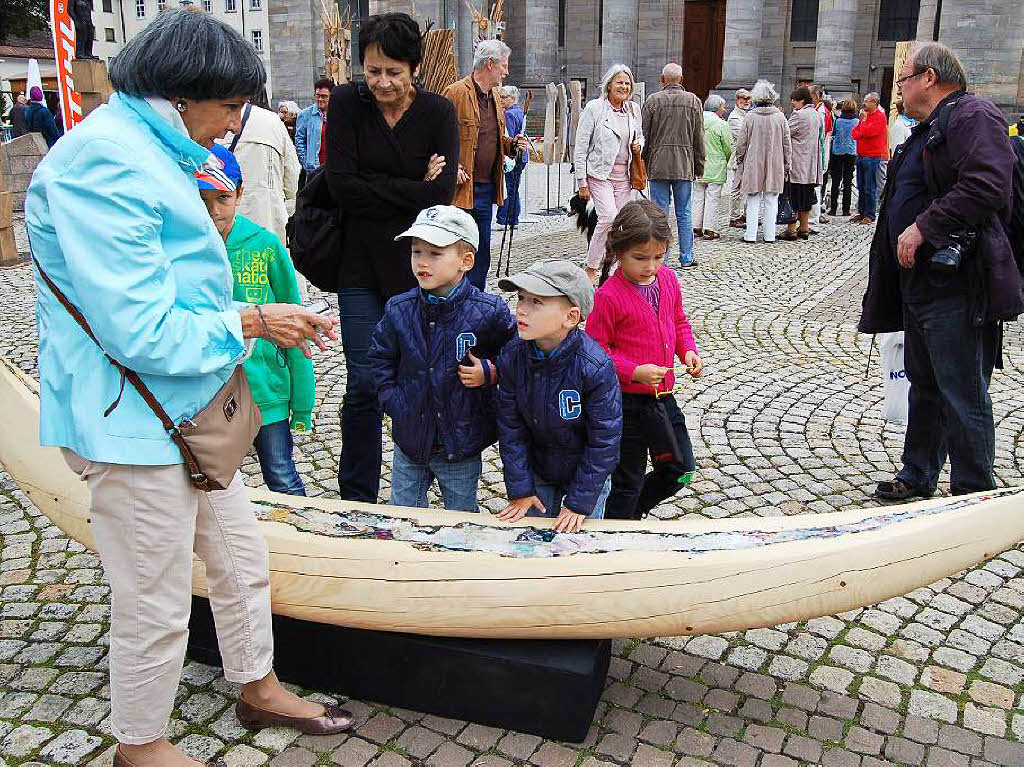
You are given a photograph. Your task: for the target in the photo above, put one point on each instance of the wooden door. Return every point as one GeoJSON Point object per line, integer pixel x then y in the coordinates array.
{"type": "Point", "coordinates": [703, 45]}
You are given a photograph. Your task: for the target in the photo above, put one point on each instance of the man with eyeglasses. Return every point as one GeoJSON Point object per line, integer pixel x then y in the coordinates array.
{"type": "Point", "coordinates": [942, 269]}
{"type": "Point", "coordinates": [311, 128]}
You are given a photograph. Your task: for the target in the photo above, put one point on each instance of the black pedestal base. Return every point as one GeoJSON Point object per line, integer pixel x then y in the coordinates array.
{"type": "Point", "coordinates": [548, 688]}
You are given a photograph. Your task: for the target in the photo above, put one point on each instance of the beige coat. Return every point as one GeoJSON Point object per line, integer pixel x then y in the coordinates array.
{"type": "Point", "coordinates": [807, 135]}
{"type": "Point", "coordinates": [763, 152]}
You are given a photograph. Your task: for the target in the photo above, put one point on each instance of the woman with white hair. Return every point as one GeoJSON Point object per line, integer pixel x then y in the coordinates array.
{"type": "Point", "coordinates": [717, 151]}
{"type": "Point", "coordinates": [288, 111]}
{"type": "Point", "coordinates": [763, 159]}
{"type": "Point", "coordinates": [610, 130]}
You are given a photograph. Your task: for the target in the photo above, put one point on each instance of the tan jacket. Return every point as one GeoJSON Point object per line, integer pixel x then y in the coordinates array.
{"type": "Point", "coordinates": [674, 127]}
{"type": "Point", "coordinates": [463, 95]}
{"type": "Point", "coordinates": [763, 152]}
{"type": "Point", "coordinates": [807, 134]}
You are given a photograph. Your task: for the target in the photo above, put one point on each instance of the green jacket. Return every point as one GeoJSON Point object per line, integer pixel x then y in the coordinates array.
{"type": "Point", "coordinates": [717, 149]}
{"type": "Point", "coordinates": [264, 274]}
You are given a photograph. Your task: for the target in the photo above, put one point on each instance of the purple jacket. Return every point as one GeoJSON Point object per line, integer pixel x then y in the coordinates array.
{"type": "Point", "coordinates": [968, 162]}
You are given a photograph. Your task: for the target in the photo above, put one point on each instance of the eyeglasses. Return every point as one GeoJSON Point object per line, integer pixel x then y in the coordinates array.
{"type": "Point", "coordinates": [899, 83]}
{"type": "Point", "coordinates": [681, 382]}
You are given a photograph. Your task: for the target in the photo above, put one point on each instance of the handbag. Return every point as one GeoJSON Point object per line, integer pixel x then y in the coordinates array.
{"type": "Point", "coordinates": [315, 232]}
{"type": "Point", "coordinates": [637, 167]}
{"type": "Point", "coordinates": [786, 214]}
{"type": "Point", "coordinates": [214, 441]}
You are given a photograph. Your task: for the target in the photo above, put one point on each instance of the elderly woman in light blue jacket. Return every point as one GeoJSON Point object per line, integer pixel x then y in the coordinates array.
{"type": "Point", "coordinates": [117, 223]}
{"type": "Point", "coordinates": [610, 130]}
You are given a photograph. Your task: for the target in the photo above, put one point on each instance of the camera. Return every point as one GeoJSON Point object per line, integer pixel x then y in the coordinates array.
{"type": "Point", "coordinates": [948, 258]}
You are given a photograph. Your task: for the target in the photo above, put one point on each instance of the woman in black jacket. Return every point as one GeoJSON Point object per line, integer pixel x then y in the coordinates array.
{"type": "Point", "coordinates": [392, 150]}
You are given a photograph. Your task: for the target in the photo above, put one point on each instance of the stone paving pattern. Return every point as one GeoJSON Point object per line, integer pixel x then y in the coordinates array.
{"type": "Point", "coordinates": [785, 421]}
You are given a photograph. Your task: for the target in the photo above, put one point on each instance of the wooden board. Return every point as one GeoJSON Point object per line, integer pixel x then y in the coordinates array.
{"type": "Point", "coordinates": [721, 575]}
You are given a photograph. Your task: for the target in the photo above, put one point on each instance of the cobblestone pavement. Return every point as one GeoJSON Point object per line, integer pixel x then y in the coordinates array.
{"type": "Point", "coordinates": [785, 421]}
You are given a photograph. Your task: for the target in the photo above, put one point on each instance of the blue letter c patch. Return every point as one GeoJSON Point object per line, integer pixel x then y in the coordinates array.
{"type": "Point", "coordinates": [570, 405]}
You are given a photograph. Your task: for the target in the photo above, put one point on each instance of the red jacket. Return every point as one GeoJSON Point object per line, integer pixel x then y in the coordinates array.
{"type": "Point", "coordinates": [624, 324]}
{"type": "Point", "coordinates": [872, 135]}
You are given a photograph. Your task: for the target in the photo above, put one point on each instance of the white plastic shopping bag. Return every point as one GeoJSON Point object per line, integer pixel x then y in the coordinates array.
{"type": "Point", "coordinates": [897, 387]}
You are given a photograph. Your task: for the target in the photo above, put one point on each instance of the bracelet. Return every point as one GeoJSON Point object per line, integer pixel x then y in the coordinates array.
{"type": "Point", "coordinates": [266, 328]}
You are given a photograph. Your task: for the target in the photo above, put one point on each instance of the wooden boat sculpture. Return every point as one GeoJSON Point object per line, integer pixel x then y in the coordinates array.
{"type": "Point", "coordinates": [455, 574]}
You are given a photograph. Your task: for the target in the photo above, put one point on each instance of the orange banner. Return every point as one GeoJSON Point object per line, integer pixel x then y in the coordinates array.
{"type": "Point", "coordinates": [64, 51]}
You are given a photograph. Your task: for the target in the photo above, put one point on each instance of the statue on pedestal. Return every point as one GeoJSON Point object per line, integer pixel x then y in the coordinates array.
{"type": "Point", "coordinates": [85, 31]}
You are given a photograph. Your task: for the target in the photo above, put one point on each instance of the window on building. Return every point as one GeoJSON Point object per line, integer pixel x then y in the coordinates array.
{"type": "Point", "coordinates": [109, 35]}
{"type": "Point", "coordinates": [108, 6]}
{"type": "Point", "coordinates": [140, 9]}
{"type": "Point", "coordinates": [897, 19]}
{"type": "Point", "coordinates": [208, 5]}
{"type": "Point", "coordinates": [230, 6]}
{"type": "Point", "coordinates": [255, 4]}
{"type": "Point", "coordinates": [600, 22]}
{"type": "Point", "coordinates": [257, 39]}
{"type": "Point", "coordinates": [804, 26]}
{"type": "Point", "coordinates": [561, 23]}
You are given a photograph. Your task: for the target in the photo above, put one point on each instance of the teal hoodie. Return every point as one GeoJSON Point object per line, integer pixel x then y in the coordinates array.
{"type": "Point", "coordinates": [264, 274]}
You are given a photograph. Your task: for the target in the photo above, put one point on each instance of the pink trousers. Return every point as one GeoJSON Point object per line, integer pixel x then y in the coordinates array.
{"type": "Point", "coordinates": [609, 197]}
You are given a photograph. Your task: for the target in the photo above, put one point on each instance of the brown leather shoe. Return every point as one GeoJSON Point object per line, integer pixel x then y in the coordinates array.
{"type": "Point", "coordinates": [738, 223]}
{"type": "Point", "coordinates": [334, 719]}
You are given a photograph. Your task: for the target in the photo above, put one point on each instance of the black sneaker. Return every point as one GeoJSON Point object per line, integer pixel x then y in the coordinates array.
{"type": "Point", "coordinates": [898, 490]}
{"type": "Point", "coordinates": [691, 265]}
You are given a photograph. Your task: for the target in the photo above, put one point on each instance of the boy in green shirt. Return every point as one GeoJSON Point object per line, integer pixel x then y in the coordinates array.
{"type": "Point", "coordinates": [281, 379]}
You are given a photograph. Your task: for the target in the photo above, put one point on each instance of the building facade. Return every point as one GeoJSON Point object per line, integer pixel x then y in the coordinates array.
{"type": "Point", "coordinates": [848, 45]}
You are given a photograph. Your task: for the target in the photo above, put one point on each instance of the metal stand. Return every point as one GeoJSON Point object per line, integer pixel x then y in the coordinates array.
{"type": "Point", "coordinates": [558, 210]}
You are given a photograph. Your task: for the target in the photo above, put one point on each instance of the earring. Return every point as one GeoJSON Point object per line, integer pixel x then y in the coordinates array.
{"type": "Point", "coordinates": [181, 106]}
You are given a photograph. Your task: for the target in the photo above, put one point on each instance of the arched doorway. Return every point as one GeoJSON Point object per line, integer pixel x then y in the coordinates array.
{"type": "Point", "coordinates": [703, 45]}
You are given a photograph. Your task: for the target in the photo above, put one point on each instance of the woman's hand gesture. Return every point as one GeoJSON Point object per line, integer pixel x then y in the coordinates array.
{"type": "Point", "coordinates": [289, 325]}
{"type": "Point", "coordinates": [434, 167]}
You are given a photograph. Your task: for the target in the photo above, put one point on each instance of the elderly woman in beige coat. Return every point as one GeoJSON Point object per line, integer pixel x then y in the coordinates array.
{"type": "Point", "coordinates": [807, 136]}
{"type": "Point", "coordinates": [763, 158]}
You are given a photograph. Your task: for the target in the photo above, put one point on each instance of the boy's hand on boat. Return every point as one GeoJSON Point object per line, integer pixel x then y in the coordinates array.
{"type": "Point", "coordinates": [649, 374]}
{"type": "Point", "coordinates": [694, 364]}
{"type": "Point", "coordinates": [569, 521]}
{"type": "Point", "coordinates": [518, 508]}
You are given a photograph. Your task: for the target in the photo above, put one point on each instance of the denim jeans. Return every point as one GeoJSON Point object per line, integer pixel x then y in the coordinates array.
{"type": "Point", "coordinates": [867, 185]}
{"type": "Point", "coordinates": [483, 202]}
{"type": "Point", "coordinates": [273, 445]}
{"type": "Point", "coordinates": [949, 365]}
{"type": "Point", "coordinates": [359, 309]}
{"type": "Point", "coordinates": [552, 497]}
{"type": "Point", "coordinates": [512, 181]}
{"type": "Point", "coordinates": [635, 491]}
{"type": "Point", "coordinates": [458, 481]}
{"type": "Point", "coordinates": [662, 193]}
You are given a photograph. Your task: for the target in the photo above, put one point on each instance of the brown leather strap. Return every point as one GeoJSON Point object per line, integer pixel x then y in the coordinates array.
{"type": "Point", "coordinates": [127, 374]}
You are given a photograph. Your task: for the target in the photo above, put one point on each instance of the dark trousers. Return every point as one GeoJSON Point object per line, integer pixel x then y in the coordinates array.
{"type": "Point", "coordinates": [949, 365]}
{"type": "Point", "coordinates": [274, 446]}
{"type": "Point", "coordinates": [483, 202]}
{"type": "Point", "coordinates": [359, 309]}
{"type": "Point", "coordinates": [635, 491]}
{"type": "Point", "coordinates": [841, 167]}
{"type": "Point", "coordinates": [867, 185]}
{"type": "Point", "coordinates": [509, 210]}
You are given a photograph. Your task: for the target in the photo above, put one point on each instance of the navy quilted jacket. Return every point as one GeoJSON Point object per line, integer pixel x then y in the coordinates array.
{"type": "Point", "coordinates": [560, 417]}
{"type": "Point", "coordinates": [415, 354]}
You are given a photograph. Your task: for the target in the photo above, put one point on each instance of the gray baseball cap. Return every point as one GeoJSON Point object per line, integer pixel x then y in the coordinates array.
{"type": "Point", "coordinates": [555, 277]}
{"type": "Point", "coordinates": [444, 225]}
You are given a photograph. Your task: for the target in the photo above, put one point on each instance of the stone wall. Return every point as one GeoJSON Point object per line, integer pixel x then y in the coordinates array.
{"type": "Point", "coordinates": [18, 161]}
{"type": "Point", "coordinates": [296, 48]}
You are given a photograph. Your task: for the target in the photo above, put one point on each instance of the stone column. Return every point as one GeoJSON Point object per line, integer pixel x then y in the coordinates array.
{"type": "Point", "coordinates": [833, 58]}
{"type": "Point", "coordinates": [465, 38]}
{"type": "Point", "coordinates": [619, 38]}
{"type": "Point", "coordinates": [539, 52]}
{"type": "Point", "coordinates": [740, 64]}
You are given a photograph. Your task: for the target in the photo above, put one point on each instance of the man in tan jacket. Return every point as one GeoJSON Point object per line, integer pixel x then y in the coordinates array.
{"type": "Point", "coordinates": [482, 144]}
{"type": "Point", "coordinates": [674, 152]}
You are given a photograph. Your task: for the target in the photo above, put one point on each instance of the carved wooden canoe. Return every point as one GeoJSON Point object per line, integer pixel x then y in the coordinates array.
{"type": "Point", "coordinates": [457, 574]}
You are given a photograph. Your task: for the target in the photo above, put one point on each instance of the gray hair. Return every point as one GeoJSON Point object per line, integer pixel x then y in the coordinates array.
{"type": "Point", "coordinates": [291, 106]}
{"type": "Point", "coordinates": [764, 93]}
{"type": "Point", "coordinates": [713, 103]}
{"type": "Point", "coordinates": [874, 97]}
{"type": "Point", "coordinates": [510, 91]}
{"type": "Point", "coordinates": [610, 75]}
{"type": "Point", "coordinates": [742, 93]}
{"type": "Point", "coordinates": [489, 50]}
{"type": "Point", "coordinates": [818, 90]}
{"type": "Point", "coordinates": [941, 60]}
{"type": "Point", "coordinates": [184, 54]}
{"type": "Point", "coordinates": [672, 71]}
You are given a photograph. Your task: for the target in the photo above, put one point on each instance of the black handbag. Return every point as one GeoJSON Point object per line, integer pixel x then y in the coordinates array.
{"type": "Point", "coordinates": [315, 232]}
{"type": "Point", "coordinates": [786, 214]}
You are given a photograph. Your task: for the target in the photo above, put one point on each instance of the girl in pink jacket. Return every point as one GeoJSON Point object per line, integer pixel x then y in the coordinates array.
{"type": "Point", "coordinates": [638, 318]}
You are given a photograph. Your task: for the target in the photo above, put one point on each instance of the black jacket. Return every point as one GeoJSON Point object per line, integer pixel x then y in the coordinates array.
{"type": "Point", "coordinates": [968, 161]}
{"type": "Point", "coordinates": [375, 173]}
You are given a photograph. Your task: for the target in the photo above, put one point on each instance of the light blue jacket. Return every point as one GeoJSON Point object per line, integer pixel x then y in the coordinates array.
{"type": "Point", "coordinates": [308, 127]}
{"type": "Point", "coordinates": [116, 220]}
{"type": "Point", "coordinates": [842, 136]}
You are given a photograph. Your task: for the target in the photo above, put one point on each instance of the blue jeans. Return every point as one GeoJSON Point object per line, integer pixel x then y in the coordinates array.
{"type": "Point", "coordinates": [483, 202]}
{"type": "Point", "coordinates": [552, 497]}
{"type": "Point", "coordinates": [458, 481]}
{"type": "Point", "coordinates": [867, 185]}
{"type": "Point", "coordinates": [949, 365]}
{"type": "Point", "coordinates": [273, 445]}
{"type": "Point", "coordinates": [511, 203]}
{"type": "Point", "coordinates": [359, 309]}
{"type": "Point", "coordinates": [662, 193]}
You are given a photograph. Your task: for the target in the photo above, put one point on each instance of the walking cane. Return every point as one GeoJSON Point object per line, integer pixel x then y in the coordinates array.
{"type": "Point", "coordinates": [513, 205]}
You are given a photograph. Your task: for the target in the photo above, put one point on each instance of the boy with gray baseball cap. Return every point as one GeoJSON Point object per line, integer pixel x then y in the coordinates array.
{"type": "Point", "coordinates": [559, 403]}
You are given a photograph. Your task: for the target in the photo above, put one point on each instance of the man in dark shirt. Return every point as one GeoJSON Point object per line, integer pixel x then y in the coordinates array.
{"type": "Point", "coordinates": [951, 176]}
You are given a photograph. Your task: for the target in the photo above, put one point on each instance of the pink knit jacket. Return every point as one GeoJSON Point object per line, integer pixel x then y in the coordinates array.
{"type": "Point", "coordinates": [625, 325]}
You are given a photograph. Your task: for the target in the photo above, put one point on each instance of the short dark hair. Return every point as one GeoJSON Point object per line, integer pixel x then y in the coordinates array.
{"type": "Point", "coordinates": [803, 93]}
{"type": "Point", "coordinates": [183, 54]}
{"type": "Point", "coordinates": [398, 36]}
{"type": "Point", "coordinates": [323, 82]}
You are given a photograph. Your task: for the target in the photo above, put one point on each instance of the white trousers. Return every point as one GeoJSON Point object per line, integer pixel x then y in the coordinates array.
{"type": "Point", "coordinates": [705, 205]}
{"type": "Point", "coordinates": [771, 211]}
{"type": "Point", "coordinates": [146, 521]}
